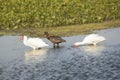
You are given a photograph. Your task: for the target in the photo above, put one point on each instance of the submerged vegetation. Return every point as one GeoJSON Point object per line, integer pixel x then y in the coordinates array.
{"type": "Point", "coordinates": [19, 14]}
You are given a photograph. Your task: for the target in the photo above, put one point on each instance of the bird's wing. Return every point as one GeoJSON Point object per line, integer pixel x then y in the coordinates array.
{"type": "Point", "coordinates": [93, 38]}
{"type": "Point", "coordinates": [90, 37]}
{"type": "Point", "coordinates": [56, 37]}
{"type": "Point", "coordinates": [37, 42]}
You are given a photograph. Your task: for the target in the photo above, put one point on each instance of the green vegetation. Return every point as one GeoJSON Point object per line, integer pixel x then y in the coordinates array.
{"type": "Point", "coordinates": [35, 14]}
{"type": "Point", "coordinates": [64, 30]}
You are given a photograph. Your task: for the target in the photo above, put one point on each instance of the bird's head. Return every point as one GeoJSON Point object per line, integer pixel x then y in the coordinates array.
{"type": "Point", "coordinates": [75, 45]}
{"type": "Point", "coordinates": [46, 34]}
{"type": "Point", "coordinates": [21, 37]}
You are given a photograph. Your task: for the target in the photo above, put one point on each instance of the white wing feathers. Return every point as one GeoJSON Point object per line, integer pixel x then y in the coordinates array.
{"type": "Point", "coordinates": [36, 42]}
{"type": "Point", "coordinates": [93, 38]}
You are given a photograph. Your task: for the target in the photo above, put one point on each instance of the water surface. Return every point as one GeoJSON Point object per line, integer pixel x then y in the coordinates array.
{"type": "Point", "coordinates": [101, 62]}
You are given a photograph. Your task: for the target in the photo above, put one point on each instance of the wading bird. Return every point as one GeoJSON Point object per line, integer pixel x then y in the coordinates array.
{"type": "Point", "coordinates": [90, 39]}
{"type": "Point", "coordinates": [35, 43]}
{"type": "Point", "coordinates": [54, 39]}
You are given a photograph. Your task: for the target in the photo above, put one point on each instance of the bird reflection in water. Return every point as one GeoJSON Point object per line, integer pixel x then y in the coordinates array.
{"type": "Point", "coordinates": [93, 50]}
{"type": "Point", "coordinates": [35, 55]}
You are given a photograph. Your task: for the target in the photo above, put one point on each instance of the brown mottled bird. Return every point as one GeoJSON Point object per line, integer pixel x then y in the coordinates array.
{"type": "Point", "coordinates": [54, 39]}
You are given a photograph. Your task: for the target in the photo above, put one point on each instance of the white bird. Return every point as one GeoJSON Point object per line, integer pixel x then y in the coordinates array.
{"type": "Point", "coordinates": [34, 43]}
{"type": "Point", "coordinates": [90, 39]}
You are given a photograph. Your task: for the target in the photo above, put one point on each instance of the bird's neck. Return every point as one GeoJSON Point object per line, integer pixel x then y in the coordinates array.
{"type": "Point", "coordinates": [47, 36]}
{"type": "Point", "coordinates": [24, 39]}
{"type": "Point", "coordinates": [81, 43]}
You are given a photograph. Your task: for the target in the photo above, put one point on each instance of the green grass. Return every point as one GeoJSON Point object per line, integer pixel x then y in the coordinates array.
{"type": "Point", "coordinates": [34, 17]}
{"type": "Point", "coordinates": [16, 14]}
{"type": "Point", "coordinates": [64, 30]}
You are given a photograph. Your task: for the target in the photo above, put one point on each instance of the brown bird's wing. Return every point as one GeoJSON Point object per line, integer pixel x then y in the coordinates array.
{"type": "Point", "coordinates": [56, 39]}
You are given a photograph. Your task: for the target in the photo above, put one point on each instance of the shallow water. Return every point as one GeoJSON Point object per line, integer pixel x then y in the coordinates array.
{"type": "Point", "coordinates": [101, 62]}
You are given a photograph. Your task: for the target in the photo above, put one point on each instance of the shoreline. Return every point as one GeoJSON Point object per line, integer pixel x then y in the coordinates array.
{"type": "Point", "coordinates": [64, 30]}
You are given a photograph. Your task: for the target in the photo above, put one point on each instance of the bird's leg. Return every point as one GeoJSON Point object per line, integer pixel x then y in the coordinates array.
{"type": "Point", "coordinates": [57, 45]}
{"type": "Point", "coordinates": [54, 45]}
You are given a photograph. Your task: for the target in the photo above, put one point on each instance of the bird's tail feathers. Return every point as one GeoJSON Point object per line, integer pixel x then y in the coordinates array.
{"type": "Point", "coordinates": [46, 45]}
{"type": "Point", "coordinates": [64, 40]}
{"type": "Point", "coordinates": [102, 38]}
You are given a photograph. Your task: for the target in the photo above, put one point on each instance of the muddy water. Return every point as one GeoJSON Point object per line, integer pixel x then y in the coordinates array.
{"type": "Point", "coordinates": [101, 62]}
